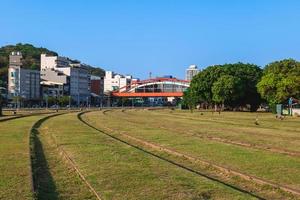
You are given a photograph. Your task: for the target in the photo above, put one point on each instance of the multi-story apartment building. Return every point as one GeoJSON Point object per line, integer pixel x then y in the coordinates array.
{"type": "Point", "coordinates": [22, 82]}
{"type": "Point", "coordinates": [73, 75]}
{"type": "Point", "coordinates": [191, 71]}
{"type": "Point", "coordinates": [53, 62]}
{"type": "Point", "coordinates": [97, 85]}
{"type": "Point", "coordinates": [54, 83]}
{"type": "Point", "coordinates": [114, 81]}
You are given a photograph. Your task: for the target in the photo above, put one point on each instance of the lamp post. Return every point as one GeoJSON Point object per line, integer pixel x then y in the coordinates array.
{"type": "Point", "coordinates": [87, 101]}
{"type": "Point", "coordinates": [69, 102]}
{"type": "Point", "coordinates": [46, 96]}
{"type": "Point", "coordinates": [132, 102]}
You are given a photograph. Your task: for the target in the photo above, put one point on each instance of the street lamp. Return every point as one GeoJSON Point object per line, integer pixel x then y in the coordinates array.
{"type": "Point", "coordinates": [69, 102]}
{"type": "Point", "coordinates": [46, 96]}
{"type": "Point", "coordinates": [87, 102]}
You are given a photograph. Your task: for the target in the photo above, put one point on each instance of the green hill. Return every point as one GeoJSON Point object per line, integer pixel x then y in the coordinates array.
{"type": "Point", "coordinates": [31, 59]}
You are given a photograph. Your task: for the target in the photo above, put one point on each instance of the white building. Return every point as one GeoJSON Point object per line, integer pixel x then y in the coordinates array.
{"type": "Point", "coordinates": [23, 83]}
{"type": "Point", "coordinates": [53, 62]}
{"type": "Point", "coordinates": [73, 74]}
{"type": "Point", "coordinates": [54, 83]}
{"type": "Point", "coordinates": [114, 81]}
{"type": "Point", "coordinates": [191, 71]}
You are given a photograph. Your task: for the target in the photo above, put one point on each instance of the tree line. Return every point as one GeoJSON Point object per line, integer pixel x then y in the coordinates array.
{"type": "Point", "coordinates": [243, 85]}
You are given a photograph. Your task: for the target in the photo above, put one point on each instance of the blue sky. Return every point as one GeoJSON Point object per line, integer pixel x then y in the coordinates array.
{"type": "Point", "coordinates": [159, 36]}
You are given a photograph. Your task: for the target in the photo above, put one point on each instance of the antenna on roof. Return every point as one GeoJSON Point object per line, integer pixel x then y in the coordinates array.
{"type": "Point", "coordinates": [150, 75]}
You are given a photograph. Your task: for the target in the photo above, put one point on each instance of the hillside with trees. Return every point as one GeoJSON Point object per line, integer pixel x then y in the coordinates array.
{"type": "Point", "coordinates": [31, 59]}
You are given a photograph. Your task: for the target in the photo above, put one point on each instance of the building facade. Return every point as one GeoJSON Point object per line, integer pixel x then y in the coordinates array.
{"type": "Point", "coordinates": [114, 81]}
{"type": "Point", "coordinates": [72, 76]}
{"type": "Point", "coordinates": [22, 83]}
{"type": "Point", "coordinates": [191, 71]}
{"type": "Point", "coordinates": [97, 85]}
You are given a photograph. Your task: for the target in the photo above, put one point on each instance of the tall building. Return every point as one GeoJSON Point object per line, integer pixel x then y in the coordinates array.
{"type": "Point", "coordinates": [191, 71]}
{"type": "Point", "coordinates": [97, 85]}
{"type": "Point", "coordinates": [23, 83]}
{"type": "Point", "coordinates": [53, 62]}
{"type": "Point", "coordinates": [114, 81]}
{"type": "Point", "coordinates": [54, 83]}
{"type": "Point", "coordinates": [72, 77]}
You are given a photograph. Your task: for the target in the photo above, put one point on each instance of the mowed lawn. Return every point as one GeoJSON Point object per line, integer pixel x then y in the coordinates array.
{"type": "Point", "coordinates": [10, 114]}
{"type": "Point", "coordinates": [15, 177]}
{"type": "Point", "coordinates": [118, 171]}
{"type": "Point", "coordinates": [180, 131]}
{"type": "Point", "coordinates": [115, 170]}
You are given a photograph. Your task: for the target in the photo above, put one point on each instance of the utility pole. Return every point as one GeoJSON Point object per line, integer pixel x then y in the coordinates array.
{"type": "Point", "coordinates": [69, 102]}
{"type": "Point", "coordinates": [132, 102]}
{"type": "Point", "coordinates": [46, 101]}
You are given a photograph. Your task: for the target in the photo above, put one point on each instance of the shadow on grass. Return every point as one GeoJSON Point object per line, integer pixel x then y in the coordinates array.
{"type": "Point", "coordinates": [43, 183]}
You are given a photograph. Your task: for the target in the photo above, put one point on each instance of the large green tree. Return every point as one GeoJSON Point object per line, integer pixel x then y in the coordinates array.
{"type": "Point", "coordinates": [190, 99]}
{"type": "Point", "coordinates": [280, 80]}
{"type": "Point", "coordinates": [248, 76]}
{"type": "Point", "coordinates": [227, 88]}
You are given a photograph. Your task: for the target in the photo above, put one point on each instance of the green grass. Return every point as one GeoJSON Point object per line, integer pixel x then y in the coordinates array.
{"type": "Point", "coordinates": [14, 155]}
{"type": "Point", "coordinates": [236, 126]}
{"type": "Point", "coordinates": [118, 171]}
{"type": "Point", "coordinates": [55, 178]}
{"type": "Point", "coordinates": [271, 166]}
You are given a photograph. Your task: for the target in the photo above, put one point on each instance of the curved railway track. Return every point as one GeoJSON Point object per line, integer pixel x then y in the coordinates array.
{"type": "Point", "coordinates": [218, 121]}
{"type": "Point", "coordinates": [224, 169]}
{"type": "Point", "coordinates": [24, 115]}
{"type": "Point", "coordinates": [222, 140]}
{"type": "Point", "coordinates": [146, 148]}
{"type": "Point", "coordinates": [156, 147]}
{"type": "Point", "coordinates": [226, 141]}
{"type": "Point", "coordinates": [32, 141]}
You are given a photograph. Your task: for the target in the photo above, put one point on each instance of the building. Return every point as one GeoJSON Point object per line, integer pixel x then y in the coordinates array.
{"type": "Point", "coordinates": [191, 71]}
{"type": "Point", "coordinates": [114, 81]}
{"type": "Point", "coordinates": [71, 77]}
{"type": "Point", "coordinates": [97, 85]}
{"type": "Point", "coordinates": [22, 82]}
{"type": "Point", "coordinates": [53, 62]}
{"type": "Point", "coordinates": [54, 83]}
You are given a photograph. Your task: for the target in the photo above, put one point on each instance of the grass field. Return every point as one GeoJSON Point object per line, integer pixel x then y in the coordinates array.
{"type": "Point", "coordinates": [15, 177]}
{"type": "Point", "coordinates": [152, 154]}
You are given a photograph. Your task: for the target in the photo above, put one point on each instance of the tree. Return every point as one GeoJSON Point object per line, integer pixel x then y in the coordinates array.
{"type": "Point", "coordinates": [52, 100]}
{"type": "Point", "coordinates": [227, 88]}
{"type": "Point", "coordinates": [63, 100]}
{"type": "Point", "coordinates": [248, 74]}
{"type": "Point", "coordinates": [190, 99]}
{"type": "Point", "coordinates": [202, 83]}
{"type": "Point", "coordinates": [280, 80]}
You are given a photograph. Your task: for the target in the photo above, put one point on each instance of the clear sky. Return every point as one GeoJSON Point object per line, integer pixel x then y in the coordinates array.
{"type": "Point", "coordinates": [159, 36]}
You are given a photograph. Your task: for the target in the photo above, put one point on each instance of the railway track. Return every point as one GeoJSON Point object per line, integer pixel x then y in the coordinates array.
{"type": "Point", "coordinates": [222, 140]}
{"type": "Point", "coordinates": [32, 140]}
{"type": "Point", "coordinates": [24, 115]}
{"type": "Point", "coordinates": [219, 121]}
{"type": "Point", "coordinates": [159, 148]}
